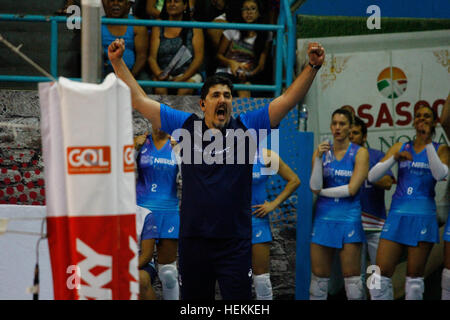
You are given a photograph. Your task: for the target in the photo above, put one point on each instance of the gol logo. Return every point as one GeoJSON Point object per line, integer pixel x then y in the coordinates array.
{"type": "Point", "coordinates": [89, 160]}
{"type": "Point", "coordinates": [128, 159]}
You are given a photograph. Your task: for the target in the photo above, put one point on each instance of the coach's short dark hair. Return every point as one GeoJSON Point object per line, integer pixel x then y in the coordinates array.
{"type": "Point", "coordinates": [212, 81]}
{"type": "Point", "coordinates": [362, 124]}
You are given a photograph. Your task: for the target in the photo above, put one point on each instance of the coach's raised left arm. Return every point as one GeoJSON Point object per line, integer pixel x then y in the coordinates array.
{"type": "Point", "coordinates": [281, 106]}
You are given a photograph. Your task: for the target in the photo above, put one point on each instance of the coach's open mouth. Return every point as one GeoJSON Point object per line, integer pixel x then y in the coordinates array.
{"type": "Point", "coordinates": [221, 112]}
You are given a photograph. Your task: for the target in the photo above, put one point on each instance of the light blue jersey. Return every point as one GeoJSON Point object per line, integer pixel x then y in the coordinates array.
{"type": "Point", "coordinates": [338, 173]}
{"type": "Point", "coordinates": [338, 220]}
{"type": "Point", "coordinates": [415, 193]}
{"type": "Point", "coordinates": [412, 217]}
{"type": "Point", "coordinates": [156, 187]}
{"type": "Point", "coordinates": [260, 226]}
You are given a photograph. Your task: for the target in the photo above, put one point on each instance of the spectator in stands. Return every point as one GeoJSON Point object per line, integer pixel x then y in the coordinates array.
{"type": "Point", "coordinates": [176, 54]}
{"type": "Point", "coordinates": [153, 7]}
{"type": "Point", "coordinates": [67, 4]}
{"type": "Point", "coordinates": [243, 53]}
{"type": "Point", "coordinates": [208, 10]}
{"type": "Point", "coordinates": [211, 11]}
{"type": "Point", "coordinates": [136, 37]}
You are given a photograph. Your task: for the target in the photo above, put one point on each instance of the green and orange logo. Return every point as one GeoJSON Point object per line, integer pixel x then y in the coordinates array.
{"type": "Point", "coordinates": [392, 82]}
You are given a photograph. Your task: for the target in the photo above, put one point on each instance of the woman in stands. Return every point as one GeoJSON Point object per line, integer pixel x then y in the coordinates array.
{"type": "Point", "coordinates": [261, 233]}
{"type": "Point", "coordinates": [156, 190]}
{"type": "Point", "coordinates": [153, 8]}
{"type": "Point", "coordinates": [339, 169]}
{"type": "Point", "coordinates": [135, 37]}
{"type": "Point", "coordinates": [412, 222]}
{"type": "Point", "coordinates": [176, 54]}
{"type": "Point", "coordinates": [242, 53]}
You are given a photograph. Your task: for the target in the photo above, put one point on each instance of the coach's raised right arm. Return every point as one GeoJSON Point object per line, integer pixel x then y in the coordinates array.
{"type": "Point", "coordinates": [149, 108]}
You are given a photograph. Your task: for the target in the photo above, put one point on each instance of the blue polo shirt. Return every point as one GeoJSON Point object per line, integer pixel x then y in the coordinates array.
{"type": "Point", "coordinates": [216, 197]}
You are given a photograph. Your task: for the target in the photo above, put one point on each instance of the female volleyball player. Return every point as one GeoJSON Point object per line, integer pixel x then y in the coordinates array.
{"type": "Point", "coordinates": [339, 169]}
{"type": "Point", "coordinates": [412, 222]}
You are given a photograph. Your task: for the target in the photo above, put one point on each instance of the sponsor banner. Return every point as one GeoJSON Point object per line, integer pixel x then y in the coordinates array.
{"type": "Point", "coordinates": [90, 188]}
{"type": "Point", "coordinates": [89, 262]}
{"type": "Point", "coordinates": [128, 158]}
{"type": "Point", "coordinates": [89, 160]}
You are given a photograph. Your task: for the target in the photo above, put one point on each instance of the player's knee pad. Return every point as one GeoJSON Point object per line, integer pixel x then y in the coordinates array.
{"type": "Point", "coordinates": [263, 286]}
{"type": "Point", "coordinates": [354, 288]}
{"type": "Point", "coordinates": [318, 289]}
{"type": "Point", "coordinates": [168, 274]}
{"type": "Point", "coordinates": [414, 288]}
{"type": "Point", "coordinates": [445, 284]}
{"type": "Point", "coordinates": [381, 288]}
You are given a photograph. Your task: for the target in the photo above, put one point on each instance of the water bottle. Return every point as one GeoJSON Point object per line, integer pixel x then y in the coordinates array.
{"type": "Point", "coordinates": [303, 118]}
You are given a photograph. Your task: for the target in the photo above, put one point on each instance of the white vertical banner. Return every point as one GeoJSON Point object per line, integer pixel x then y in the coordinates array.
{"type": "Point", "coordinates": [90, 188]}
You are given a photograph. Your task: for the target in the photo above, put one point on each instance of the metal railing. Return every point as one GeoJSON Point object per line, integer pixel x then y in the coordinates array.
{"type": "Point", "coordinates": [284, 55]}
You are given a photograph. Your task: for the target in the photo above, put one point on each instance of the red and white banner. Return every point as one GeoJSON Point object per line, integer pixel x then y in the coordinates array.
{"type": "Point", "coordinates": [90, 189]}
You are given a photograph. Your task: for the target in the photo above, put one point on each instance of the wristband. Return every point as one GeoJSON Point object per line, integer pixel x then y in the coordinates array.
{"type": "Point", "coordinates": [315, 67]}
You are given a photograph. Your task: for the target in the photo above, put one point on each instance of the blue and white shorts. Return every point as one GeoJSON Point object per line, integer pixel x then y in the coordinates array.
{"type": "Point", "coordinates": [335, 234]}
{"type": "Point", "coordinates": [161, 225]}
{"type": "Point", "coordinates": [411, 229]}
{"type": "Point", "coordinates": [261, 231]}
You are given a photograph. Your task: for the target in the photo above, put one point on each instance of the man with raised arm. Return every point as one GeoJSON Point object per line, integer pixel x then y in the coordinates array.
{"type": "Point", "coordinates": [215, 216]}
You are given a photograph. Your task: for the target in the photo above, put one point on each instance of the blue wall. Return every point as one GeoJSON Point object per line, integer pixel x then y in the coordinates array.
{"type": "Point", "coordinates": [389, 8]}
